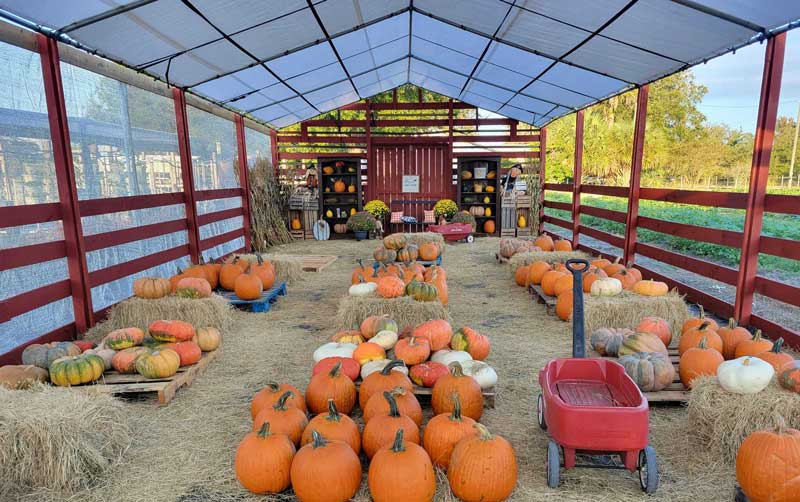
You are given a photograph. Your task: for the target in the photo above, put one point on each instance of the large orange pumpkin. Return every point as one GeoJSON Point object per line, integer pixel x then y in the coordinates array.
{"type": "Point", "coordinates": [228, 274]}
{"type": "Point", "coordinates": [391, 287]}
{"type": "Point", "coordinates": [123, 338]}
{"type": "Point", "coordinates": [692, 337]}
{"type": "Point", "coordinates": [562, 245]}
{"type": "Point", "coordinates": [549, 280]}
{"type": "Point", "coordinates": [775, 357]}
{"type": "Point", "coordinates": [437, 332]}
{"type": "Point", "coordinates": [269, 395]}
{"type": "Point", "coordinates": [731, 335]}
{"type": "Point", "coordinates": [767, 464]}
{"type": "Point", "coordinates": [491, 456]}
{"type": "Point", "coordinates": [694, 322]}
{"type": "Point", "coordinates": [401, 472]}
{"type": "Point", "coordinates": [331, 385]}
{"type": "Point", "coordinates": [657, 326]}
{"type": "Point", "coordinates": [381, 381]}
{"type": "Point", "coordinates": [444, 431]}
{"type": "Point", "coordinates": [536, 270]}
{"type": "Point", "coordinates": [380, 431]}
{"type": "Point", "coordinates": [545, 242]}
{"type": "Point", "coordinates": [265, 271]}
{"type": "Point", "coordinates": [699, 360]}
{"type": "Point", "coordinates": [193, 287]}
{"type": "Point", "coordinates": [334, 426]}
{"type": "Point", "coordinates": [564, 304]}
{"type": "Point", "coordinates": [521, 275]}
{"type": "Point", "coordinates": [469, 340]}
{"type": "Point", "coordinates": [248, 287]}
{"type": "Point", "coordinates": [412, 350]}
{"type": "Point", "coordinates": [325, 471]}
{"type": "Point", "coordinates": [283, 419]}
{"type": "Point", "coordinates": [428, 251]}
{"type": "Point", "coordinates": [752, 347]}
{"type": "Point", "coordinates": [563, 284]}
{"type": "Point", "coordinates": [468, 390]}
{"type": "Point", "coordinates": [263, 461]}
{"type": "Point", "coordinates": [407, 404]}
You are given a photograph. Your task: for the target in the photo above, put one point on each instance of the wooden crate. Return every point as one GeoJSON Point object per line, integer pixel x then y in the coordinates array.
{"type": "Point", "coordinates": [524, 201]}
{"type": "Point", "coordinates": [297, 234]}
{"type": "Point", "coordinates": [310, 217]}
{"type": "Point", "coordinates": [164, 389]}
{"type": "Point", "coordinates": [524, 232]}
{"type": "Point", "coordinates": [507, 219]}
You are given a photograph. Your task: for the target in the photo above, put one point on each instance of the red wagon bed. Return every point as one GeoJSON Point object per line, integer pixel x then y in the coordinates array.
{"type": "Point", "coordinates": [453, 231]}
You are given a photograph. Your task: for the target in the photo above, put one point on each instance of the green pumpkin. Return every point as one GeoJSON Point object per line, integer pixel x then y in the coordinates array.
{"type": "Point", "coordinates": [76, 370]}
{"type": "Point", "coordinates": [43, 354]}
{"type": "Point", "coordinates": [421, 291]}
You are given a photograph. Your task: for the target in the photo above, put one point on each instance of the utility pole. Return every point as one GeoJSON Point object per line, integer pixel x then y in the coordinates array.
{"type": "Point", "coordinates": [794, 146]}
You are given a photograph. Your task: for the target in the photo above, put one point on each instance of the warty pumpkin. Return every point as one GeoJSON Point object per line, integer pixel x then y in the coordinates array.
{"type": "Point", "coordinates": [755, 345]}
{"type": "Point", "coordinates": [395, 241]}
{"type": "Point", "coordinates": [334, 426]}
{"type": "Point", "coordinates": [692, 337]}
{"type": "Point", "coordinates": [444, 431]}
{"type": "Point", "coordinates": [248, 287]}
{"type": "Point", "coordinates": [263, 461]}
{"type": "Point", "coordinates": [438, 332]}
{"type": "Point", "coordinates": [42, 355]}
{"type": "Point", "coordinates": [483, 467]}
{"type": "Point", "coordinates": [269, 395]}
{"type": "Point", "coordinates": [283, 419]}
{"type": "Point", "coordinates": [657, 326]}
{"type": "Point", "coordinates": [380, 431]}
{"type": "Point", "coordinates": [381, 381]}
{"type": "Point", "coordinates": [651, 371]}
{"type": "Point", "coordinates": [193, 287]}
{"type": "Point", "coordinates": [767, 464]}
{"type": "Point", "coordinates": [391, 287]}
{"type": "Point", "coordinates": [331, 385]}
{"type": "Point", "coordinates": [775, 357]}
{"type": "Point", "coordinates": [208, 338]}
{"type": "Point", "coordinates": [325, 471]}
{"type": "Point", "coordinates": [607, 341]}
{"type": "Point", "coordinates": [406, 401]}
{"type": "Point", "coordinates": [401, 472]}
{"type": "Point", "coordinates": [731, 335]}
{"type": "Point", "coordinates": [151, 288]}
{"type": "Point", "coordinates": [412, 350]}
{"type": "Point", "coordinates": [469, 340]}
{"type": "Point", "coordinates": [699, 360]}
{"type": "Point", "coordinates": [162, 363]}
{"type": "Point", "coordinates": [348, 336]}
{"type": "Point", "coordinates": [426, 374]}
{"type": "Point", "coordinates": [123, 338]}
{"type": "Point", "coordinates": [76, 370]}
{"type": "Point", "coordinates": [171, 331]}
{"type": "Point", "coordinates": [695, 322]}
{"type": "Point", "coordinates": [468, 390]}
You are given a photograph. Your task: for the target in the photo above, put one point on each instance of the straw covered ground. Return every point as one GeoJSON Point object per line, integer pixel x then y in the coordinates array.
{"type": "Point", "coordinates": [184, 451]}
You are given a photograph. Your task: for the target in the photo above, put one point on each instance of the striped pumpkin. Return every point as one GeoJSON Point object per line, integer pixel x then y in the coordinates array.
{"type": "Point", "coordinates": [158, 364]}
{"type": "Point", "coordinates": [76, 370]}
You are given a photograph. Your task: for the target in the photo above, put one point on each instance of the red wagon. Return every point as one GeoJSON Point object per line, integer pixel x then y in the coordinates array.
{"type": "Point", "coordinates": [593, 409]}
{"type": "Point", "coordinates": [454, 231]}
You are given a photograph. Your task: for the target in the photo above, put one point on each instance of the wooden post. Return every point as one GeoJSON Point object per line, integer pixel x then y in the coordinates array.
{"type": "Point", "coordinates": [632, 217]}
{"type": "Point", "coordinates": [273, 146]}
{"type": "Point", "coordinates": [368, 134]}
{"type": "Point", "coordinates": [577, 173]}
{"type": "Point", "coordinates": [244, 179]}
{"type": "Point", "coordinates": [759, 172]}
{"type": "Point", "coordinates": [65, 179]}
{"type": "Point", "coordinates": [187, 173]}
{"type": "Point", "coordinates": [542, 167]}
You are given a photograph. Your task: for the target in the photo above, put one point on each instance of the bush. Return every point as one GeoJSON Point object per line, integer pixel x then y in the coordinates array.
{"type": "Point", "coordinates": [362, 221]}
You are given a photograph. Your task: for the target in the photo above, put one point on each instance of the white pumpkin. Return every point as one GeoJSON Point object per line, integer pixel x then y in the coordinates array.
{"type": "Point", "coordinates": [371, 367]}
{"type": "Point", "coordinates": [386, 339]}
{"type": "Point", "coordinates": [334, 349]}
{"type": "Point", "coordinates": [606, 286]}
{"type": "Point", "coordinates": [362, 289]}
{"type": "Point", "coordinates": [105, 354]}
{"type": "Point", "coordinates": [447, 356]}
{"type": "Point", "coordinates": [745, 375]}
{"type": "Point", "coordinates": [484, 374]}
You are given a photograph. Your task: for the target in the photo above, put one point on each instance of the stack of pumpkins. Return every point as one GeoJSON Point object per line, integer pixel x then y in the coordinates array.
{"type": "Point", "coordinates": [395, 280]}
{"type": "Point", "coordinates": [510, 247]}
{"type": "Point", "coordinates": [171, 344]}
{"type": "Point", "coordinates": [395, 247]}
{"type": "Point", "coordinates": [401, 459]}
{"type": "Point", "coordinates": [245, 278]}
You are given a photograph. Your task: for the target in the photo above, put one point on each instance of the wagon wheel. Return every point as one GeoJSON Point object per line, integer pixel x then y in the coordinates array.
{"type": "Point", "coordinates": [553, 464]}
{"type": "Point", "coordinates": [648, 470]}
{"type": "Point", "coordinates": [540, 413]}
{"type": "Point", "coordinates": [470, 239]}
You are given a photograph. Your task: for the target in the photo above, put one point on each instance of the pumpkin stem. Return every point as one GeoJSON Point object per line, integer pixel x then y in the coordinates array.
{"type": "Point", "coordinates": [273, 386]}
{"type": "Point", "coordinates": [731, 323]}
{"type": "Point", "coordinates": [394, 411]}
{"type": "Point", "coordinates": [702, 343]}
{"type": "Point", "coordinates": [263, 432]}
{"type": "Point", "coordinates": [776, 346]}
{"type": "Point", "coordinates": [397, 446]}
{"type": "Point", "coordinates": [333, 413]}
{"type": "Point", "coordinates": [335, 370]}
{"type": "Point", "coordinates": [455, 416]}
{"type": "Point", "coordinates": [395, 363]}
{"type": "Point", "coordinates": [704, 325]}
{"type": "Point", "coordinates": [317, 440]}
{"type": "Point", "coordinates": [398, 391]}
{"type": "Point", "coordinates": [757, 335]}
{"type": "Point", "coordinates": [456, 370]}
{"type": "Point", "coordinates": [780, 424]}
{"type": "Point", "coordinates": [360, 263]}
{"type": "Point", "coordinates": [702, 311]}
{"type": "Point", "coordinates": [281, 404]}
{"type": "Point", "coordinates": [483, 432]}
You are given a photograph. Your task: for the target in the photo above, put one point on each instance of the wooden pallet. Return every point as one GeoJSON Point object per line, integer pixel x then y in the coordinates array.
{"type": "Point", "coordinates": [425, 393]}
{"type": "Point", "coordinates": [116, 383]}
{"type": "Point", "coordinates": [675, 392]}
{"type": "Point", "coordinates": [425, 263]}
{"type": "Point", "coordinates": [541, 297]}
{"type": "Point", "coordinates": [263, 304]}
{"type": "Point", "coordinates": [316, 263]}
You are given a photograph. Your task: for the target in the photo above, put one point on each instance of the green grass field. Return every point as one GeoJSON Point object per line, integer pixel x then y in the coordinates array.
{"type": "Point", "coordinates": [775, 225]}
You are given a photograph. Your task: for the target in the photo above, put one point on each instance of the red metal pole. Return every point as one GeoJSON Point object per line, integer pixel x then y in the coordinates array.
{"type": "Point", "coordinates": [450, 140]}
{"type": "Point", "coordinates": [182, 123]}
{"type": "Point", "coordinates": [65, 179]}
{"type": "Point", "coordinates": [577, 174]}
{"type": "Point", "coordinates": [371, 183]}
{"type": "Point", "coordinates": [632, 218]}
{"type": "Point", "coordinates": [244, 179]}
{"type": "Point", "coordinates": [542, 167]}
{"type": "Point", "coordinates": [273, 146]}
{"type": "Point", "coordinates": [759, 172]}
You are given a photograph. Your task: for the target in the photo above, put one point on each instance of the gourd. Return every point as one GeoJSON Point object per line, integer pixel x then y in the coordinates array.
{"type": "Point", "coordinates": [193, 287]}
{"type": "Point", "coordinates": [426, 374]}
{"type": "Point", "coordinates": [386, 339]}
{"type": "Point", "coordinates": [372, 325]}
{"type": "Point", "coordinates": [263, 461]}
{"type": "Point", "coordinates": [766, 464]}
{"type": "Point", "coordinates": [362, 289]}
{"type": "Point", "coordinates": [151, 288]}
{"type": "Point", "coordinates": [349, 366]}
{"type": "Point", "coordinates": [641, 342]}
{"type": "Point", "coordinates": [606, 286]}
{"type": "Point", "coordinates": [745, 375]}
{"type": "Point", "coordinates": [334, 426]}
{"type": "Point", "coordinates": [412, 350]}
{"type": "Point", "coordinates": [42, 355]}
{"type": "Point", "coordinates": [490, 455]}
{"type": "Point", "coordinates": [380, 431]}
{"type": "Point", "coordinates": [438, 332]}
{"type": "Point", "coordinates": [521, 221]}
{"type": "Point", "coordinates": [444, 431]}
{"type": "Point", "coordinates": [484, 374]}
{"type": "Point", "coordinates": [407, 404]}
{"type": "Point", "coordinates": [421, 291]}
{"type": "Point", "coordinates": [651, 371]}
{"type": "Point", "coordinates": [283, 419]}
{"type": "Point", "coordinates": [158, 363]}
{"type": "Point", "coordinates": [331, 385]}
{"type": "Point", "coordinates": [123, 338]}
{"type": "Point", "coordinates": [171, 331]}
{"type": "Point", "coordinates": [269, 395]}
{"type": "Point", "coordinates": [208, 338]}
{"type": "Point", "coordinates": [21, 376]}
{"type": "Point", "coordinates": [386, 378]}
{"type": "Point", "coordinates": [367, 352]}
{"type": "Point", "coordinates": [468, 340]}
{"type": "Point", "coordinates": [402, 472]}
{"type": "Point", "coordinates": [465, 386]}
{"type": "Point", "coordinates": [76, 370]}
{"type": "Point", "coordinates": [334, 349]}
{"type": "Point", "coordinates": [447, 356]}
{"type": "Point", "coordinates": [697, 361]}
{"type": "Point", "coordinates": [607, 341]}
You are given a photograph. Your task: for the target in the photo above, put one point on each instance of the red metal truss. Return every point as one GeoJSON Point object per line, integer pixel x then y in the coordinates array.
{"type": "Point", "coordinates": [244, 180]}
{"type": "Point", "coordinates": [542, 169]}
{"type": "Point", "coordinates": [632, 219]}
{"type": "Point", "coordinates": [577, 175]}
{"type": "Point", "coordinates": [187, 174]}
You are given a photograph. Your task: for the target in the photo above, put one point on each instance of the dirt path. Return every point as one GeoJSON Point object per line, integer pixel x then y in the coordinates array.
{"type": "Point", "coordinates": [184, 452]}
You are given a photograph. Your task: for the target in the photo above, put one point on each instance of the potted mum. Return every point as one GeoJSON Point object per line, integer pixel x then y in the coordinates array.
{"type": "Point", "coordinates": [445, 208]}
{"type": "Point", "coordinates": [361, 224]}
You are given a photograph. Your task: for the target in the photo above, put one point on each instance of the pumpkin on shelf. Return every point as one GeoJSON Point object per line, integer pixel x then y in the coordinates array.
{"type": "Point", "coordinates": [755, 345]}
{"type": "Point", "coordinates": [162, 363]}
{"type": "Point", "coordinates": [606, 286]}
{"type": "Point", "coordinates": [607, 341]}
{"type": "Point", "coordinates": [334, 426]}
{"type": "Point", "coordinates": [284, 419]}
{"type": "Point", "coordinates": [351, 188]}
{"type": "Point", "coordinates": [339, 186]}
{"type": "Point", "coordinates": [651, 371]}
{"type": "Point", "coordinates": [42, 355]}
{"type": "Point", "coordinates": [699, 360]}
{"type": "Point", "coordinates": [641, 342]}
{"type": "Point", "coordinates": [193, 287]}
{"type": "Point", "coordinates": [745, 375]}
{"type": "Point", "coordinates": [766, 464]}
{"type": "Point", "coordinates": [444, 431]}
{"type": "Point", "coordinates": [521, 221]}
{"type": "Point", "coordinates": [657, 326]}
{"type": "Point", "coordinates": [296, 225]}
{"type": "Point", "coordinates": [407, 404]}
{"type": "Point", "coordinates": [123, 338]}
{"type": "Point", "coordinates": [325, 470]}
{"type": "Point", "coordinates": [269, 395]}
{"type": "Point", "coordinates": [489, 226]}
{"type": "Point", "coordinates": [76, 370]}
{"type": "Point", "coordinates": [263, 461]}
{"type": "Point", "coordinates": [331, 385]}
{"type": "Point", "coordinates": [390, 287]}
{"type": "Point", "coordinates": [380, 431]}
{"type": "Point", "coordinates": [650, 287]}
{"type": "Point", "coordinates": [695, 322]}
{"type": "Point", "coordinates": [340, 228]}
{"type": "Point", "coordinates": [490, 455]}
{"type": "Point", "coordinates": [731, 335]}
{"type": "Point", "coordinates": [692, 337]}
{"type": "Point", "coordinates": [327, 170]}
{"type": "Point", "coordinates": [465, 386]}
{"type": "Point", "coordinates": [476, 210]}
{"type": "Point", "coordinates": [169, 331]}
{"type": "Point", "coordinates": [151, 288]}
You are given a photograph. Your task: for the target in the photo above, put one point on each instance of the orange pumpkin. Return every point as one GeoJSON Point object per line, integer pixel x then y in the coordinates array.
{"type": "Point", "coordinates": [752, 347]}
{"type": "Point", "coordinates": [590, 276]}
{"type": "Point", "coordinates": [124, 360]}
{"type": "Point", "coordinates": [437, 332]}
{"type": "Point", "coordinates": [613, 268]}
{"type": "Point", "coordinates": [270, 394]}
{"type": "Point", "coordinates": [521, 275]}
{"type": "Point", "coordinates": [564, 304]}
{"type": "Point", "coordinates": [283, 419]}
{"type": "Point", "coordinates": [175, 279]}
{"type": "Point", "coordinates": [562, 245]}
{"type": "Point", "coordinates": [428, 251]}
{"type": "Point", "coordinates": [366, 352]}
{"type": "Point", "coordinates": [406, 401]}
{"type": "Point", "coordinates": [467, 388]}
{"type": "Point", "coordinates": [489, 226]}
{"type": "Point", "coordinates": [600, 263]}
{"type": "Point", "coordinates": [212, 272]}
{"type": "Point", "coordinates": [248, 287]}
{"type": "Point", "coordinates": [440, 283]}
{"type": "Point", "coordinates": [563, 284]}
{"type": "Point", "coordinates": [649, 287]}
{"type": "Point", "coordinates": [188, 352]}
{"type": "Point", "coordinates": [228, 274]}
{"type": "Point", "coordinates": [545, 242]}
{"type": "Point", "coordinates": [699, 360]}
{"type": "Point", "coordinates": [444, 431]}
{"type": "Point", "coordinates": [334, 426]}
{"type": "Point", "coordinates": [657, 326]}
{"type": "Point", "coordinates": [171, 331]}
{"type": "Point", "coordinates": [263, 461]}
{"type": "Point", "coordinates": [731, 335]}
{"type": "Point", "coordinates": [775, 357]}
{"type": "Point", "coordinates": [469, 340]}
{"type": "Point", "coordinates": [193, 287]}
{"type": "Point", "coordinates": [412, 350]}
{"type": "Point", "coordinates": [383, 380]}
{"type": "Point", "coordinates": [697, 321]}
{"type": "Point", "coordinates": [391, 287]}
{"type": "Point", "coordinates": [536, 271]}
{"type": "Point", "coordinates": [692, 337]}
{"type": "Point", "coordinates": [401, 472]}
{"type": "Point", "coordinates": [325, 471]}
{"type": "Point", "coordinates": [265, 271]}
{"type": "Point", "coordinates": [483, 453]}
{"type": "Point", "coordinates": [331, 385]}
{"type": "Point", "coordinates": [767, 464]}
{"type": "Point", "coordinates": [549, 280]}
{"type": "Point", "coordinates": [627, 279]}
{"type": "Point", "coordinates": [380, 431]}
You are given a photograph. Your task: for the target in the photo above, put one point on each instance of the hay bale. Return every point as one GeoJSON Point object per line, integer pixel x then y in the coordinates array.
{"type": "Point", "coordinates": [214, 311]}
{"type": "Point", "coordinates": [59, 439]}
{"type": "Point", "coordinates": [550, 257]}
{"type": "Point", "coordinates": [287, 268]}
{"type": "Point", "coordinates": [628, 309]}
{"type": "Point", "coordinates": [404, 310]}
{"type": "Point", "coordinates": [721, 420]}
{"type": "Point", "coordinates": [421, 238]}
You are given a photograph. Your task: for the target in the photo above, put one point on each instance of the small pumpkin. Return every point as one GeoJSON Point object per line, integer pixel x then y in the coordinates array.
{"type": "Point", "coordinates": [766, 464]}
{"type": "Point", "coordinates": [448, 357]}
{"type": "Point", "coordinates": [562, 245]}
{"type": "Point", "coordinates": [373, 325]}
{"type": "Point", "coordinates": [334, 426]}
{"type": "Point", "coordinates": [426, 374]}
{"type": "Point", "coordinates": [348, 336]}
{"type": "Point", "coordinates": [731, 335]}
{"type": "Point", "coordinates": [692, 337]}
{"type": "Point", "coordinates": [151, 288]}
{"type": "Point", "coordinates": [607, 341]}
{"type": "Point", "coordinates": [208, 338]}
{"type": "Point", "coordinates": [606, 286]}
{"type": "Point", "coordinates": [444, 431]}
{"type": "Point", "coordinates": [484, 453]}
{"type": "Point", "coordinates": [42, 355]}
{"type": "Point", "coordinates": [489, 226]}
{"type": "Point", "coordinates": [469, 340]}
{"type": "Point", "coordinates": [775, 357]}
{"type": "Point", "coordinates": [161, 363]}
{"type": "Point", "coordinates": [699, 360]}
{"type": "Point", "coordinates": [641, 342]}
{"type": "Point", "coordinates": [170, 331]}
{"type": "Point", "coordinates": [331, 385]}
{"type": "Point", "coordinates": [107, 355]}
{"type": "Point", "coordinates": [484, 374]}
{"type": "Point", "coordinates": [76, 370]}
{"type": "Point", "coordinates": [412, 350]}
{"type": "Point", "coordinates": [362, 288]}
{"type": "Point", "coordinates": [438, 332]}
{"type": "Point", "coordinates": [188, 352]}
{"type": "Point", "coordinates": [650, 288]}
{"type": "Point", "coordinates": [695, 322]}
{"type": "Point", "coordinates": [395, 241]}
{"type": "Point", "coordinates": [263, 461]}
{"type": "Point", "coordinates": [84, 345]}
{"type": "Point", "coordinates": [386, 339]}
{"type": "Point", "coordinates": [384, 255]}
{"type": "Point", "coordinates": [124, 361]}
{"type": "Point", "coordinates": [21, 376]}
{"type": "Point", "coordinates": [745, 375]}
{"type": "Point", "coordinates": [408, 253]}
{"type": "Point", "coordinates": [421, 291]}
{"type": "Point", "coordinates": [334, 349]}
{"type": "Point", "coordinates": [465, 386]}
{"type": "Point", "coordinates": [248, 287]}
{"type": "Point", "coordinates": [296, 225]}
{"type": "Point", "coordinates": [283, 419]}
{"type": "Point", "coordinates": [193, 287]}
{"type": "Point", "coordinates": [269, 395]}
{"type": "Point", "coordinates": [380, 431]}
{"type": "Point", "coordinates": [407, 404]}
{"type": "Point", "coordinates": [651, 371]}
{"type": "Point", "coordinates": [123, 338]}
{"type": "Point", "coordinates": [390, 287]}
{"type": "Point", "coordinates": [626, 278]}
{"type": "Point", "coordinates": [385, 379]}
{"type": "Point", "coordinates": [657, 326]}
{"type": "Point", "coordinates": [754, 346]}
{"type": "Point", "coordinates": [367, 352]}
{"type": "Point", "coordinates": [401, 472]}
{"type": "Point", "coordinates": [361, 273]}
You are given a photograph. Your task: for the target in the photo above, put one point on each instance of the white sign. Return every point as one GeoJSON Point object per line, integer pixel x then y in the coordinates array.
{"type": "Point", "coordinates": [411, 184]}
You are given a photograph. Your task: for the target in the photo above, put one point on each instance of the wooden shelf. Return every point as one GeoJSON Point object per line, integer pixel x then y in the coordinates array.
{"type": "Point", "coordinates": [349, 178]}
{"type": "Point", "coordinates": [491, 164]}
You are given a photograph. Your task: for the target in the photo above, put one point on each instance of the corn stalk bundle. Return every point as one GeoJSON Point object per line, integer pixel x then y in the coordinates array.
{"type": "Point", "coordinates": [269, 202]}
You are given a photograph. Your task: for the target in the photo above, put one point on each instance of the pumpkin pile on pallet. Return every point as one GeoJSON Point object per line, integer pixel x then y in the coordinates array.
{"type": "Point", "coordinates": [401, 459]}
{"type": "Point", "coordinates": [400, 279]}
{"type": "Point", "coordinates": [398, 248]}
{"type": "Point", "coordinates": [510, 247]}
{"type": "Point", "coordinates": [170, 345]}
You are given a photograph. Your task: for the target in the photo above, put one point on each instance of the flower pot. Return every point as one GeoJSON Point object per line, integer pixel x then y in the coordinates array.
{"type": "Point", "coordinates": [360, 235]}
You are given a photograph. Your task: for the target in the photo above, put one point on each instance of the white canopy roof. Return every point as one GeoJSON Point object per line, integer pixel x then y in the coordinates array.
{"type": "Point", "coordinates": [284, 61]}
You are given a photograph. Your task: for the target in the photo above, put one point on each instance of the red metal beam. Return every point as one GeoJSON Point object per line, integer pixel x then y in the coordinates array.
{"type": "Point", "coordinates": [205, 219]}
{"type": "Point", "coordinates": [313, 156]}
{"type": "Point", "coordinates": [532, 154]}
{"type": "Point", "coordinates": [759, 173]}
{"type": "Point", "coordinates": [368, 130]}
{"type": "Point", "coordinates": [127, 268]}
{"type": "Point", "coordinates": [93, 207]}
{"type": "Point", "coordinates": [14, 356]}
{"type": "Point", "coordinates": [606, 214]}
{"type": "Point", "coordinates": [29, 214]}
{"type": "Point", "coordinates": [65, 178]}
{"type": "Point", "coordinates": [30, 300]}
{"type": "Point", "coordinates": [409, 106]}
{"type": "Point", "coordinates": [685, 262]}
{"type": "Point", "coordinates": [730, 200]}
{"type": "Point", "coordinates": [443, 122]}
{"type": "Point", "coordinates": [117, 237]}
{"type": "Point", "coordinates": [605, 190]}
{"type": "Point", "coordinates": [786, 204]}
{"type": "Point", "coordinates": [244, 180]}
{"type": "Point", "coordinates": [775, 330]}
{"type": "Point", "coordinates": [30, 255]}
{"type": "Point", "coordinates": [577, 176]}
{"type": "Point", "coordinates": [404, 139]}
{"type": "Point", "coordinates": [780, 291]}
{"type": "Point", "coordinates": [220, 239]}
{"type": "Point", "coordinates": [542, 170]}
{"type": "Point", "coordinates": [558, 187]}
{"type": "Point", "coordinates": [614, 240]}
{"type": "Point", "coordinates": [632, 221]}
{"type": "Point", "coordinates": [187, 173]}
{"type": "Point", "coordinates": [784, 248]}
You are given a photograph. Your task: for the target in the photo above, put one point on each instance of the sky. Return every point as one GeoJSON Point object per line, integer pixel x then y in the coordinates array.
{"type": "Point", "coordinates": [734, 84]}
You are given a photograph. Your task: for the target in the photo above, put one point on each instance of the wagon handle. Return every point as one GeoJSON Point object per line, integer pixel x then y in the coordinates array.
{"type": "Point", "coordinates": [578, 337]}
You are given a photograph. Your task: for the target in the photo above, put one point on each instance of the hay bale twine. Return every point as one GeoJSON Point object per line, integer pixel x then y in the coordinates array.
{"type": "Point", "coordinates": [58, 439]}
{"type": "Point", "coordinates": [721, 420]}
